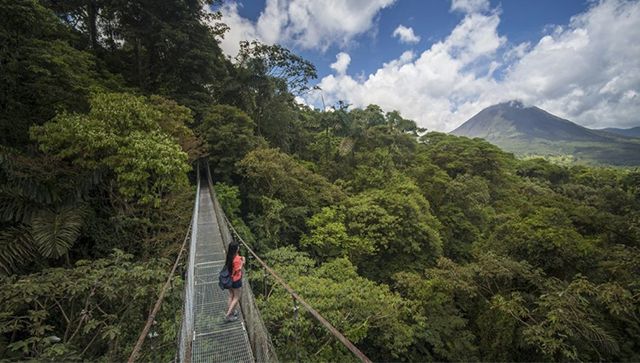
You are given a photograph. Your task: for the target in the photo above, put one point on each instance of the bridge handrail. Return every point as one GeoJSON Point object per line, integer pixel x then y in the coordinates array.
{"type": "Point", "coordinates": [156, 307]}
{"type": "Point", "coordinates": [186, 331]}
{"type": "Point", "coordinates": [344, 340]}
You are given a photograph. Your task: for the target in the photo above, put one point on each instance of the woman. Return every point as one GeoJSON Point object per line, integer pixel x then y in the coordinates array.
{"type": "Point", "coordinates": [234, 263]}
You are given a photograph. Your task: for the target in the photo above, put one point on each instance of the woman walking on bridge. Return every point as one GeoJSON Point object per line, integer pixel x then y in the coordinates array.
{"type": "Point", "coordinates": [234, 263]}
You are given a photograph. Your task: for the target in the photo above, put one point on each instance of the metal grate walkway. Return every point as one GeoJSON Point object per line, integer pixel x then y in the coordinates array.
{"type": "Point", "coordinates": [214, 340]}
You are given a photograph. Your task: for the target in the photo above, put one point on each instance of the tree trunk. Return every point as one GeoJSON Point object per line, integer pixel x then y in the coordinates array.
{"type": "Point", "coordinates": [93, 26]}
{"type": "Point", "coordinates": [139, 64]}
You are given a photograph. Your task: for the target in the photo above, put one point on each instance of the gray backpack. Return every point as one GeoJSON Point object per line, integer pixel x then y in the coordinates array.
{"type": "Point", "coordinates": [224, 279]}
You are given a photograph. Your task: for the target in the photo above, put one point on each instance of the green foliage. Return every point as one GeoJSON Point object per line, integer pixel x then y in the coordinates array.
{"type": "Point", "coordinates": [41, 206]}
{"type": "Point", "coordinates": [273, 174]}
{"type": "Point", "coordinates": [16, 249]}
{"type": "Point", "coordinates": [277, 62]}
{"type": "Point", "coordinates": [542, 260]}
{"type": "Point", "coordinates": [229, 198]}
{"type": "Point", "coordinates": [41, 71]}
{"type": "Point", "coordinates": [336, 291]}
{"type": "Point", "coordinates": [569, 322]}
{"type": "Point", "coordinates": [460, 155]}
{"type": "Point", "coordinates": [465, 214]}
{"type": "Point", "coordinates": [442, 331]}
{"type": "Point", "coordinates": [396, 220]}
{"type": "Point", "coordinates": [168, 48]}
{"type": "Point", "coordinates": [175, 121]}
{"type": "Point", "coordinates": [122, 133]}
{"type": "Point", "coordinates": [55, 231]}
{"type": "Point", "coordinates": [229, 134]}
{"type": "Point", "coordinates": [148, 166]}
{"type": "Point", "coordinates": [544, 239]}
{"type": "Point", "coordinates": [96, 309]}
{"type": "Point", "coordinates": [329, 237]}
{"type": "Point", "coordinates": [542, 169]}
{"type": "Point", "coordinates": [282, 193]}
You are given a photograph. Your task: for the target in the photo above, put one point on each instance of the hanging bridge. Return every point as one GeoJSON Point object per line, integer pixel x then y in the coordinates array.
{"type": "Point", "coordinates": [205, 336]}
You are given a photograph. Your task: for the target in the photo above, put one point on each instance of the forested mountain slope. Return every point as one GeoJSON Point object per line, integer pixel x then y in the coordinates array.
{"type": "Point", "coordinates": [531, 131]}
{"type": "Point", "coordinates": [431, 248]}
{"type": "Point", "coordinates": [632, 132]}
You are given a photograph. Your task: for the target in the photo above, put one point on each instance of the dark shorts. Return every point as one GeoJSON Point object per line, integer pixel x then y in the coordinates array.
{"type": "Point", "coordinates": [237, 284]}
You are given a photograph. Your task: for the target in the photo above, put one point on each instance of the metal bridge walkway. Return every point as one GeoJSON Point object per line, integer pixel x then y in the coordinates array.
{"type": "Point", "coordinates": [214, 340]}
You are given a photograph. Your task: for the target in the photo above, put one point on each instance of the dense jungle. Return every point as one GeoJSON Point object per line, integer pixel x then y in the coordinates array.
{"type": "Point", "coordinates": [417, 245]}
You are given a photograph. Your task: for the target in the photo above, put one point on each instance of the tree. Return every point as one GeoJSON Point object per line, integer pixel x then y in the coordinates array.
{"type": "Point", "coordinates": [164, 47]}
{"type": "Point", "coordinates": [277, 184]}
{"type": "Point", "coordinates": [96, 309]}
{"type": "Point", "coordinates": [461, 155]}
{"type": "Point", "coordinates": [570, 321]}
{"type": "Point", "coordinates": [457, 322]}
{"type": "Point", "coordinates": [389, 227]}
{"type": "Point", "coordinates": [121, 133]}
{"type": "Point", "coordinates": [383, 330]}
{"type": "Point", "coordinates": [277, 63]}
{"type": "Point", "coordinates": [545, 239]}
{"type": "Point", "coordinates": [271, 173]}
{"type": "Point", "coordinates": [229, 134]}
{"type": "Point", "coordinates": [42, 73]}
{"type": "Point", "coordinates": [264, 80]}
{"type": "Point", "coordinates": [329, 238]}
{"type": "Point", "coordinates": [42, 208]}
{"type": "Point", "coordinates": [465, 214]}
{"type": "Point", "coordinates": [542, 169]}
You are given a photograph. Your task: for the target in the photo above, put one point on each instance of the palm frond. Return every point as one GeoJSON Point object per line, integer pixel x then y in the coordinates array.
{"type": "Point", "coordinates": [54, 232]}
{"type": "Point", "coordinates": [16, 249]}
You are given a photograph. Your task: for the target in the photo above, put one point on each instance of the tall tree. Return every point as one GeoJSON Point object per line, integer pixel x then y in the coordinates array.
{"type": "Point", "coordinates": [42, 73]}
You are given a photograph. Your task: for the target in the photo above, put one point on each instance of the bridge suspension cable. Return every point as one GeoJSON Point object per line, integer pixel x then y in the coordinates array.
{"type": "Point", "coordinates": [156, 307]}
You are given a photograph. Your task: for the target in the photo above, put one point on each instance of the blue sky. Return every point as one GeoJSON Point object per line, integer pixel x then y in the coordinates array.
{"type": "Point", "coordinates": [578, 59]}
{"type": "Point", "coordinates": [432, 20]}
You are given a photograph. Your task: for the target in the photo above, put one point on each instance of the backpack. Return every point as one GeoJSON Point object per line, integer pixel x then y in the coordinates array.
{"type": "Point", "coordinates": [224, 279]}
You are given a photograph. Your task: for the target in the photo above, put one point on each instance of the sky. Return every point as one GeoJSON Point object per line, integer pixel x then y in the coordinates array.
{"type": "Point", "coordinates": [439, 62]}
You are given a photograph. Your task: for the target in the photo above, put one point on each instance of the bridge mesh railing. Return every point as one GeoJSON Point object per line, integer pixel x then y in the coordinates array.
{"type": "Point", "coordinates": [186, 331]}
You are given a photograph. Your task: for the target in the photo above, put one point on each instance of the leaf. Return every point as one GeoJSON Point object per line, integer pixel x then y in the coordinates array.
{"type": "Point", "coordinates": [54, 233]}
{"type": "Point", "coordinates": [16, 248]}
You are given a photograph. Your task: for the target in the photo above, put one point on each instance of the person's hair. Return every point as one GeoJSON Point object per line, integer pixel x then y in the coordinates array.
{"type": "Point", "coordinates": [231, 253]}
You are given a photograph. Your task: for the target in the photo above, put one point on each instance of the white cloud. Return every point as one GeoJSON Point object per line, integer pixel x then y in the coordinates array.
{"type": "Point", "coordinates": [299, 100]}
{"type": "Point", "coordinates": [308, 24]}
{"type": "Point", "coordinates": [405, 34]}
{"type": "Point", "coordinates": [433, 88]}
{"type": "Point", "coordinates": [241, 29]}
{"type": "Point", "coordinates": [342, 62]}
{"type": "Point", "coordinates": [587, 71]}
{"type": "Point", "coordinates": [470, 6]}
{"type": "Point", "coordinates": [584, 71]}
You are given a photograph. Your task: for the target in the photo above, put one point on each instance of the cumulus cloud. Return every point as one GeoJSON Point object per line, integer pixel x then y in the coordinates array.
{"type": "Point", "coordinates": [587, 71]}
{"type": "Point", "coordinates": [306, 24]}
{"type": "Point", "coordinates": [406, 34]}
{"type": "Point", "coordinates": [241, 29]}
{"type": "Point", "coordinates": [436, 88]}
{"type": "Point", "coordinates": [469, 6]}
{"type": "Point", "coordinates": [342, 62]}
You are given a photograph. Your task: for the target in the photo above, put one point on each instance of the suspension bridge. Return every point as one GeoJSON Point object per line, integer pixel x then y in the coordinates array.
{"type": "Point", "coordinates": [205, 336]}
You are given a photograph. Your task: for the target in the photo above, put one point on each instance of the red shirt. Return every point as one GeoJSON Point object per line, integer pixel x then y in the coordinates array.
{"type": "Point", "coordinates": [236, 269]}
